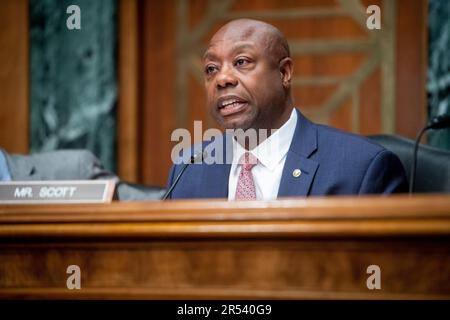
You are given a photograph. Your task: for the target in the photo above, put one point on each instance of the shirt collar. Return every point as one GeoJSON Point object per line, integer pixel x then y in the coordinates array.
{"type": "Point", "coordinates": [272, 150]}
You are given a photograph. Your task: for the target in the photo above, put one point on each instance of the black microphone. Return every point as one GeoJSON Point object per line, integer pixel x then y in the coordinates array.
{"type": "Point", "coordinates": [439, 122]}
{"type": "Point", "coordinates": [201, 155]}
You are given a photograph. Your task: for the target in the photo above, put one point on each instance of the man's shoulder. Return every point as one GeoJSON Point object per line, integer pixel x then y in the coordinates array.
{"type": "Point", "coordinates": [353, 164]}
{"type": "Point", "coordinates": [346, 141]}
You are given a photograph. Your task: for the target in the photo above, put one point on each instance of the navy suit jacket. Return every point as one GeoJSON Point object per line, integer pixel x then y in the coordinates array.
{"type": "Point", "coordinates": [331, 161]}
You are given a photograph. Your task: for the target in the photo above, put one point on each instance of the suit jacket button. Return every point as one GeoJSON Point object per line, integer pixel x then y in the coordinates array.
{"type": "Point", "coordinates": [296, 173]}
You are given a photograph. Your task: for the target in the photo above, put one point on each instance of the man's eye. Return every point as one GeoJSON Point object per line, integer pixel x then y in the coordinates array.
{"type": "Point", "coordinates": [210, 69]}
{"type": "Point", "coordinates": [241, 62]}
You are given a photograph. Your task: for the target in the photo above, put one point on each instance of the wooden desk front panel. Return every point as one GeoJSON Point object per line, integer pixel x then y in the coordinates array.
{"type": "Point", "coordinates": [228, 269]}
{"type": "Point", "coordinates": [210, 255]}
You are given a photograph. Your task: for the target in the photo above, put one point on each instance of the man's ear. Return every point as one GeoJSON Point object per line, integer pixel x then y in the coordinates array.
{"type": "Point", "coordinates": [286, 71]}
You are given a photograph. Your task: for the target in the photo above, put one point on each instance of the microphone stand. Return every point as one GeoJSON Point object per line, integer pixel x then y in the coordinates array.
{"type": "Point", "coordinates": [438, 122]}
{"type": "Point", "coordinates": [194, 158]}
{"type": "Point", "coordinates": [414, 163]}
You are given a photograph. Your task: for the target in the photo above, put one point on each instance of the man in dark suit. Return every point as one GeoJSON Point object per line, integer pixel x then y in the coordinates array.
{"type": "Point", "coordinates": [248, 73]}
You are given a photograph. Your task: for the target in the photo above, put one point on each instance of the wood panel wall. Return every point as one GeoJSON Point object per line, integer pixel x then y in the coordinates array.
{"type": "Point", "coordinates": [14, 79]}
{"type": "Point", "coordinates": [127, 111]}
{"type": "Point", "coordinates": [412, 66]}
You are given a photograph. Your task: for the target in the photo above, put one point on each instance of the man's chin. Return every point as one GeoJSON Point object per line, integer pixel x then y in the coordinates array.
{"type": "Point", "coordinates": [233, 122]}
{"type": "Point", "coordinates": [233, 125]}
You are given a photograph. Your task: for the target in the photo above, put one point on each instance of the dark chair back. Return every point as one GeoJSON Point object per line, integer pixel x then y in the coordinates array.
{"type": "Point", "coordinates": [433, 164]}
{"type": "Point", "coordinates": [126, 191]}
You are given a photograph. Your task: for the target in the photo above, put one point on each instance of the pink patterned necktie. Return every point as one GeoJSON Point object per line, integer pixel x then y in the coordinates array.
{"type": "Point", "coordinates": [246, 186]}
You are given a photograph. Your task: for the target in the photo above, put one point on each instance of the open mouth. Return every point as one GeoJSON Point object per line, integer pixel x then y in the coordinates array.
{"type": "Point", "coordinates": [231, 105]}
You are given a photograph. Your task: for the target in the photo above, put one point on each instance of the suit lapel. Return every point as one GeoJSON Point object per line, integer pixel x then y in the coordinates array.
{"type": "Point", "coordinates": [303, 145]}
{"type": "Point", "coordinates": [297, 186]}
{"type": "Point", "coordinates": [215, 176]}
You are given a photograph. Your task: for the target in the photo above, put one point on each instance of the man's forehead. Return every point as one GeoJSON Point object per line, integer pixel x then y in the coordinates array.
{"type": "Point", "coordinates": [237, 32]}
{"type": "Point", "coordinates": [211, 52]}
{"type": "Point", "coordinates": [235, 46]}
{"type": "Point", "coordinates": [235, 39]}
{"type": "Point", "coordinates": [265, 38]}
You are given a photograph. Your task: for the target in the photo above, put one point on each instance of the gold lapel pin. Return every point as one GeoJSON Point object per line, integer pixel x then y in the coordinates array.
{"type": "Point", "coordinates": [296, 173]}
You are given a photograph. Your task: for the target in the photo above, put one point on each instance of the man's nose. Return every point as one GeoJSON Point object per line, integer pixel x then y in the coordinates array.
{"type": "Point", "coordinates": [226, 78]}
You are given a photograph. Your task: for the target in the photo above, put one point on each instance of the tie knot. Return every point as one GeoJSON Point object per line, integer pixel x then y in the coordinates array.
{"type": "Point", "coordinates": [248, 161]}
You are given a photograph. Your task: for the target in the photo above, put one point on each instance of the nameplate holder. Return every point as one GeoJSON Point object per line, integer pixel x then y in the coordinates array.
{"type": "Point", "coordinates": [61, 191]}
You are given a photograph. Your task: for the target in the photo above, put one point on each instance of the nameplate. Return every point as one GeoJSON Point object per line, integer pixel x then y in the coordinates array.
{"type": "Point", "coordinates": [62, 191]}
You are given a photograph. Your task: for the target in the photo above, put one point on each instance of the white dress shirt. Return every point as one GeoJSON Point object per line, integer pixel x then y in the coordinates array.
{"type": "Point", "coordinates": [271, 154]}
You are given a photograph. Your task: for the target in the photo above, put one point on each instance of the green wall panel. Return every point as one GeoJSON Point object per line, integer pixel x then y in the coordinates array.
{"type": "Point", "coordinates": [73, 77]}
{"type": "Point", "coordinates": [439, 68]}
